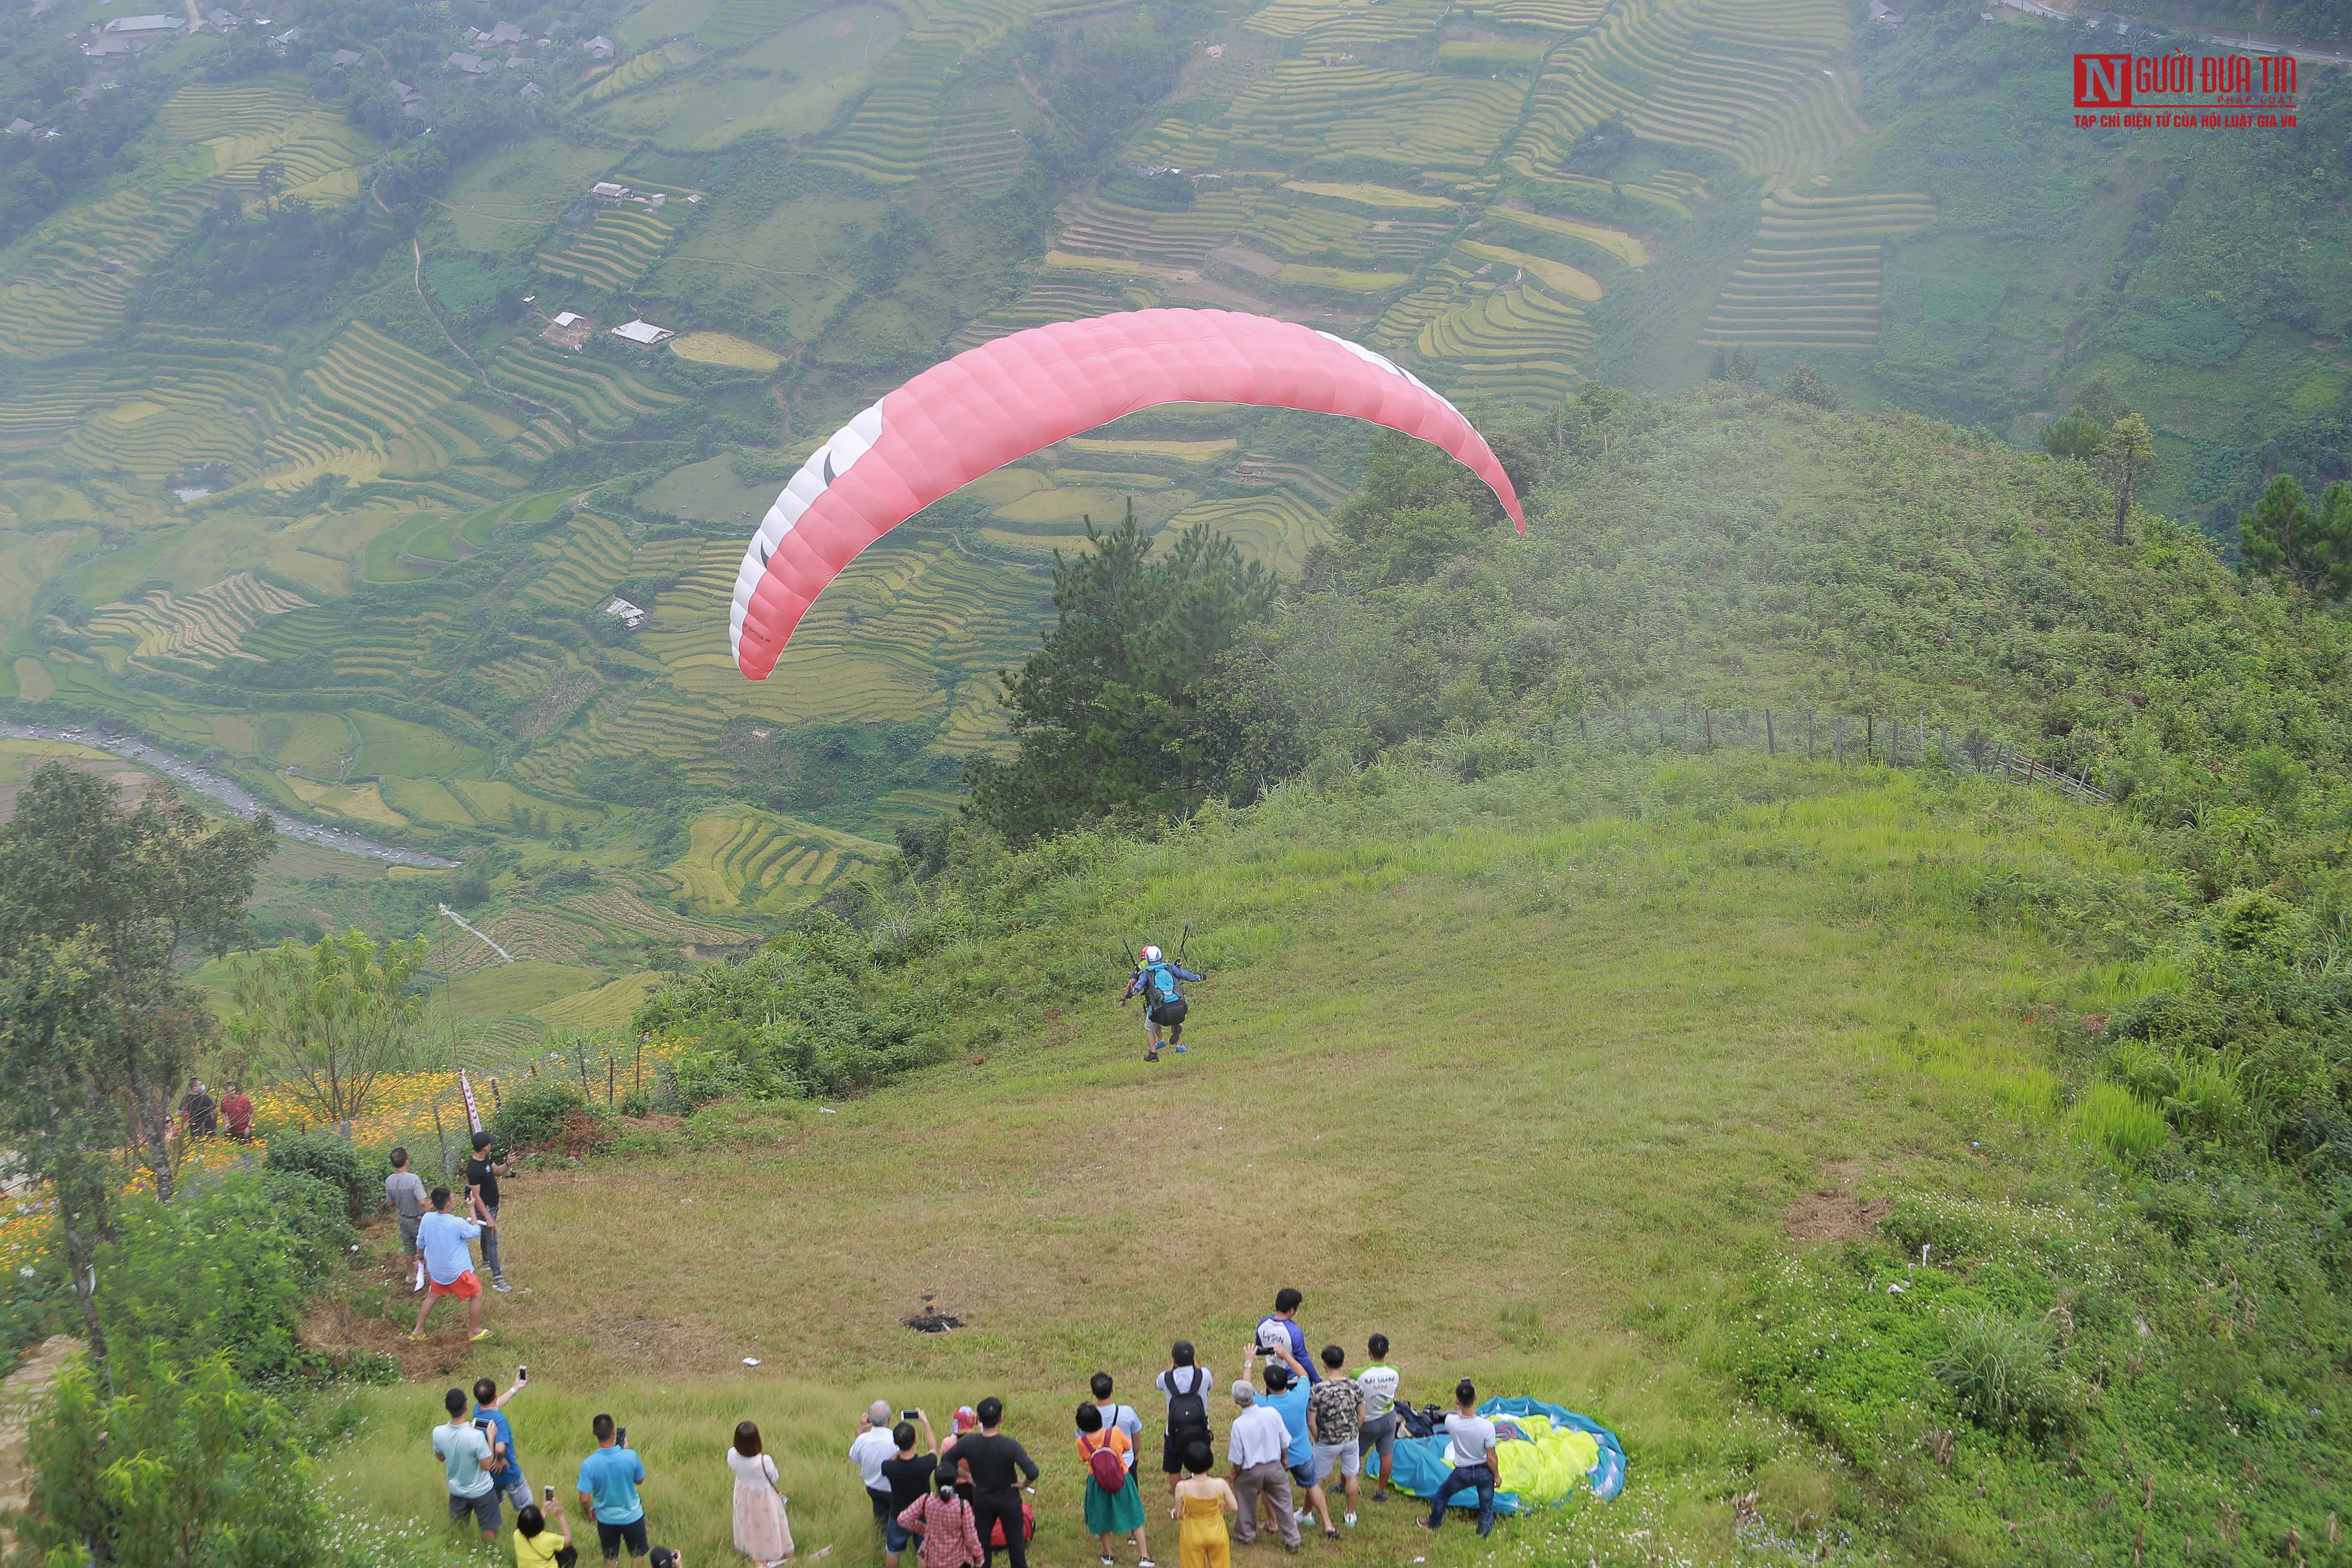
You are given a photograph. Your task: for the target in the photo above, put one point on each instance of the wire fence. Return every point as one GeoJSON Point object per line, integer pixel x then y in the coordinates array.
{"type": "Point", "coordinates": [1884, 740]}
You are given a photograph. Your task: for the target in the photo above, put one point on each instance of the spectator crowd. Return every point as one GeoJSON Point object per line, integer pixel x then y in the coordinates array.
{"type": "Point", "coordinates": [1300, 1433]}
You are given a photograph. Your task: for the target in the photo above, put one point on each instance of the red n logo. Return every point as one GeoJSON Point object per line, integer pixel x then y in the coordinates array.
{"type": "Point", "coordinates": [2103, 81]}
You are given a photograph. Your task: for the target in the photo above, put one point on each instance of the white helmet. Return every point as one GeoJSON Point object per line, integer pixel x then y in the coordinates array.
{"type": "Point", "coordinates": [1151, 955]}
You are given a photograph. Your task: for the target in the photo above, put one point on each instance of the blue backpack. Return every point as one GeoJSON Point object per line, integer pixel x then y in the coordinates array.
{"type": "Point", "coordinates": [1159, 984]}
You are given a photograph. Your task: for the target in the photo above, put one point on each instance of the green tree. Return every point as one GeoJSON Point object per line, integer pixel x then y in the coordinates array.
{"type": "Point", "coordinates": [2128, 452]}
{"type": "Point", "coordinates": [1107, 712]}
{"type": "Point", "coordinates": [194, 1468]}
{"type": "Point", "coordinates": [2074, 433]}
{"type": "Point", "coordinates": [1416, 510]}
{"type": "Point", "coordinates": [2284, 534]}
{"type": "Point", "coordinates": [330, 1019]}
{"type": "Point", "coordinates": [1804, 383]}
{"type": "Point", "coordinates": [99, 911]}
{"type": "Point", "coordinates": [1739, 366]}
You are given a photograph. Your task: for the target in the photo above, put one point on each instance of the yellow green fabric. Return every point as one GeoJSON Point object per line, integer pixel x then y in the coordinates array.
{"type": "Point", "coordinates": [1548, 1464]}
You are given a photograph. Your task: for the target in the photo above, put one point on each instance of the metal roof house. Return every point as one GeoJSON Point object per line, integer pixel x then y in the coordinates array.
{"type": "Point", "coordinates": [645, 334]}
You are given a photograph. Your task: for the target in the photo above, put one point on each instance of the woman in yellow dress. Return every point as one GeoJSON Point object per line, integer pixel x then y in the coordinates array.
{"type": "Point", "coordinates": [1203, 1501]}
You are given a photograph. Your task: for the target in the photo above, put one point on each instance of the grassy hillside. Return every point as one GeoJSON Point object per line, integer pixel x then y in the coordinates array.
{"type": "Point", "coordinates": [1525, 1074]}
{"type": "Point", "coordinates": [1912, 1166]}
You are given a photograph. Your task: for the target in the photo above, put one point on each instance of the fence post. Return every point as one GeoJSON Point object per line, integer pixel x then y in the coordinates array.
{"type": "Point", "coordinates": [441, 1135]}
{"type": "Point", "coordinates": [1869, 737]}
{"type": "Point", "coordinates": [610, 1070]}
{"type": "Point", "coordinates": [1707, 727]}
{"type": "Point", "coordinates": [1841, 739]}
{"type": "Point", "coordinates": [1769, 749]}
{"type": "Point", "coordinates": [1584, 739]}
{"type": "Point", "coordinates": [1944, 744]}
{"type": "Point", "coordinates": [1808, 734]}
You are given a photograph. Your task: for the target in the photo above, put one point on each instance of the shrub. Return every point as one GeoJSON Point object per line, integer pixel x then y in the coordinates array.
{"type": "Point", "coordinates": [533, 1115]}
{"type": "Point", "coordinates": [2207, 1104]}
{"type": "Point", "coordinates": [2119, 1123]}
{"type": "Point", "coordinates": [331, 1160]}
{"type": "Point", "coordinates": [222, 1272]}
{"type": "Point", "coordinates": [2002, 1373]}
{"type": "Point", "coordinates": [316, 1211]}
{"type": "Point", "coordinates": [1947, 1229]}
{"type": "Point", "coordinates": [186, 1453]}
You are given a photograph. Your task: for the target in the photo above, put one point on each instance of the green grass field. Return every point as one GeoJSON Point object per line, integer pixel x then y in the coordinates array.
{"type": "Point", "coordinates": [1511, 1072]}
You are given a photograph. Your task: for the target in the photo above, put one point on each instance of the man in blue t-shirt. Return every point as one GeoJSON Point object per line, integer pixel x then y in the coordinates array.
{"type": "Point", "coordinates": [1288, 1396]}
{"type": "Point", "coordinates": [490, 1405]}
{"type": "Point", "coordinates": [608, 1484]}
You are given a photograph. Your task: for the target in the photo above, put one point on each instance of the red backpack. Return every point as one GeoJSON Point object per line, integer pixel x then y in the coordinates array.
{"type": "Point", "coordinates": [1104, 1465]}
{"type": "Point", "coordinates": [1028, 1526]}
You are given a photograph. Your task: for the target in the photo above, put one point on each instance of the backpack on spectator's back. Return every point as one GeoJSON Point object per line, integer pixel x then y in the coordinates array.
{"type": "Point", "coordinates": [1103, 1463]}
{"type": "Point", "coordinates": [1188, 1411]}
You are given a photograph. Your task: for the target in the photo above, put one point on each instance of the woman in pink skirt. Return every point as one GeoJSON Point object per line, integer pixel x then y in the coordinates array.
{"type": "Point", "coordinates": [761, 1532]}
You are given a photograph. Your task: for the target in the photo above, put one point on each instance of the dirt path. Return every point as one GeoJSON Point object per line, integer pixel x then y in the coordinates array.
{"type": "Point", "coordinates": [21, 1388]}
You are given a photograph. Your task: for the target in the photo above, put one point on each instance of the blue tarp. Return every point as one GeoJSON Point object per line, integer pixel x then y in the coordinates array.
{"type": "Point", "coordinates": [1420, 1467]}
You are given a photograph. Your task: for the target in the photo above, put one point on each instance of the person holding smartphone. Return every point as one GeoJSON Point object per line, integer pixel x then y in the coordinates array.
{"type": "Point", "coordinates": [608, 1483]}
{"type": "Point", "coordinates": [537, 1546]}
{"type": "Point", "coordinates": [490, 1405]}
{"type": "Point", "coordinates": [466, 1453]}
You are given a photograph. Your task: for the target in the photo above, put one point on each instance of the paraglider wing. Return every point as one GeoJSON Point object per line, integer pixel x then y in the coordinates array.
{"type": "Point", "coordinates": [1005, 399]}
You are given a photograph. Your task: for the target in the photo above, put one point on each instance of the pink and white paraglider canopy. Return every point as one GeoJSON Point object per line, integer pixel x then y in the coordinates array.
{"type": "Point", "coordinates": [1005, 399]}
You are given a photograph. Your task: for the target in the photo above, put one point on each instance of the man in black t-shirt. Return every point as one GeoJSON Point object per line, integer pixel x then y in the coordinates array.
{"type": "Point", "coordinates": [909, 1473]}
{"type": "Point", "coordinates": [482, 1173]}
{"type": "Point", "coordinates": [995, 1493]}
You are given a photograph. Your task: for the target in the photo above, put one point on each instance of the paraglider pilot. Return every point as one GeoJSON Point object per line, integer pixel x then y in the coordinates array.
{"type": "Point", "coordinates": [1163, 1001]}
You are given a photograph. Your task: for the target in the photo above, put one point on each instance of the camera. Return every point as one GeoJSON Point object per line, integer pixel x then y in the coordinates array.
{"type": "Point", "coordinates": [908, 1414]}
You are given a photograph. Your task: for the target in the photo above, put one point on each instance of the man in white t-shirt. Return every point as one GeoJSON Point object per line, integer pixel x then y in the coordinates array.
{"type": "Point", "coordinates": [1378, 1382]}
{"type": "Point", "coordinates": [1186, 1386]}
{"type": "Point", "coordinates": [1470, 1449]}
{"type": "Point", "coordinates": [873, 1445]}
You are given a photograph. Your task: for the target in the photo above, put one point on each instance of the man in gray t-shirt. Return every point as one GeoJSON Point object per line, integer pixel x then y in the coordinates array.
{"type": "Point", "coordinates": [1470, 1449]}
{"type": "Point", "coordinates": [404, 1191]}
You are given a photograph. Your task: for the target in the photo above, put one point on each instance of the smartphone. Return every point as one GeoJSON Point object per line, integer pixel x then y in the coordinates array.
{"type": "Point", "coordinates": [548, 1493]}
{"type": "Point", "coordinates": [907, 1414]}
{"type": "Point", "coordinates": [620, 1437]}
{"type": "Point", "coordinates": [484, 1427]}
{"type": "Point", "coordinates": [522, 1374]}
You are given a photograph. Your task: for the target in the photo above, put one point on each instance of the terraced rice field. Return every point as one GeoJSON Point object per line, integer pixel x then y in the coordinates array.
{"type": "Point", "coordinates": [1615, 242]}
{"type": "Point", "coordinates": [1278, 528]}
{"type": "Point", "coordinates": [200, 628]}
{"type": "Point", "coordinates": [366, 407]}
{"type": "Point", "coordinates": [618, 247]}
{"type": "Point", "coordinates": [1812, 279]}
{"type": "Point", "coordinates": [638, 70]}
{"type": "Point", "coordinates": [980, 149]}
{"type": "Point", "coordinates": [745, 858]}
{"type": "Point", "coordinates": [893, 135]}
{"type": "Point", "coordinates": [1056, 297]}
{"type": "Point", "coordinates": [1520, 345]}
{"type": "Point", "coordinates": [58, 296]}
{"type": "Point", "coordinates": [1554, 15]}
{"type": "Point", "coordinates": [1333, 25]}
{"type": "Point", "coordinates": [598, 395]}
{"type": "Point", "coordinates": [1307, 109]}
{"type": "Point", "coordinates": [1749, 79]}
{"type": "Point", "coordinates": [740, 22]}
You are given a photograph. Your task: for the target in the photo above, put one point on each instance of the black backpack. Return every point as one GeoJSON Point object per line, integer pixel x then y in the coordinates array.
{"type": "Point", "coordinates": [1188, 1411]}
{"type": "Point", "coordinates": [1425, 1422]}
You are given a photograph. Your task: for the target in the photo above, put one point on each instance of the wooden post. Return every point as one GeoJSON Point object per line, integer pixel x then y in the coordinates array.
{"type": "Point", "coordinates": [1841, 739]}
{"type": "Point", "coordinates": [641, 1064]}
{"type": "Point", "coordinates": [1869, 737]}
{"type": "Point", "coordinates": [498, 1106]}
{"type": "Point", "coordinates": [1706, 721]}
{"type": "Point", "coordinates": [1944, 744]}
{"type": "Point", "coordinates": [1808, 734]}
{"type": "Point", "coordinates": [1769, 749]}
{"type": "Point", "coordinates": [441, 1134]}
{"type": "Point", "coordinates": [611, 1071]}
